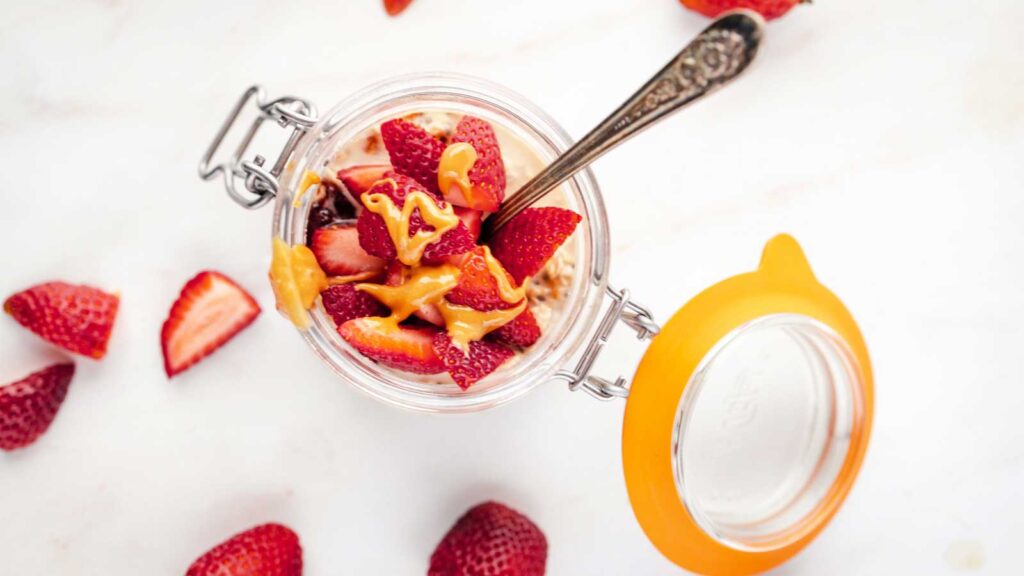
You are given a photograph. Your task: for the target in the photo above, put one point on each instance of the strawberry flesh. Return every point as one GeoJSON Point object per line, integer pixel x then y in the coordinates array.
{"type": "Point", "coordinates": [487, 176]}
{"type": "Point", "coordinates": [339, 253]}
{"type": "Point", "coordinates": [267, 550]}
{"type": "Point", "coordinates": [395, 7]}
{"type": "Point", "coordinates": [477, 288]}
{"type": "Point", "coordinates": [28, 406]}
{"type": "Point", "coordinates": [77, 318]}
{"type": "Point", "coordinates": [359, 179]}
{"type": "Point", "coordinates": [491, 539]}
{"type": "Point", "coordinates": [343, 303]}
{"type": "Point", "coordinates": [465, 369]}
{"type": "Point", "coordinates": [522, 331]}
{"type": "Point", "coordinates": [529, 240]}
{"type": "Point", "coordinates": [404, 348]}
{"type": "Point", "coordinates": [414, 152]}
{"type": "Point", "coordinates": [770, 9]}
{"type": "Point", "coordinates": [210, 310]}
{"type": "Point", "coordinates": [473, 219]}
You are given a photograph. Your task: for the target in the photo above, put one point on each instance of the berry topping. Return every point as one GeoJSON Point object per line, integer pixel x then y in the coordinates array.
{"type": "Point", "coordinates": [401, 347]}
{"type": "Point", "coordinates": [338, 252]}
{"type": "Point", "coordinates": [491, 540]}
{"type": "Point", "coordinates": [28, 406]}
{"type": "Point", "coordinates": [414, 152]}
{"type": "Point", "coordinates": [359, 179]}
{"type": "Point", "coordinates": [478, 288]}
{"type": "Point", "coordinates": [344, 303]}
{"type": "Point", "coordinates": [77, 318]}
{"type": "Point", "coordinates": [210, 311]}
{"type": "Point", "coordinates": [770, 9]}
{"type": "Point", "coordinates": [397, 275]}
{"type": "Point", "coordinates": [267, 550]}
{"type": "Point", "coordinates": [526, 243]}
{"type": "Point", "coordinates": [473, 219]}
{"type": "Point", "coordinates": [523, 331]}
{"type": "Point", "coordinates": [487, 175]}
{"type": "Point", "coordinates": [468, 367]}
{"type": "Point", "coordinates": [395, 7]}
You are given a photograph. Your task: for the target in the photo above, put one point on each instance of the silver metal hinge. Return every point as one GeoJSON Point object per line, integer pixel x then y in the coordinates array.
{"type": "Point", "coordinates": [637, 317]}
{"type": "Point", "coordinates": [258, 179]}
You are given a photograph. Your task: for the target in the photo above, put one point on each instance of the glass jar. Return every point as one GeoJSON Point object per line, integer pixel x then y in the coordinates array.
{"type": "Point", "coordinates": [748, 417]}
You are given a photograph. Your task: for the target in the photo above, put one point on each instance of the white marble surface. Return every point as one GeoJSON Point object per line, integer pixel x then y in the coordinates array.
{"type": "Point", "coordinates": [888, 136]}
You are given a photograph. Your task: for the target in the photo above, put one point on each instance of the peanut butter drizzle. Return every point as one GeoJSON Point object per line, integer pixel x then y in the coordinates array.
{"type": "Point", "coordinates": [339, 280]}
{"type": "Point", "coordinates": [467, 324]}
{"type": "Point", "coordinates": [309, 179]}
{"type": "Point", "coordinates": [410, 248]}
{"type": "Point", "coordinates": [425, 285]}
{"type": "Point", "coordinates": [297, 279]}
{"type": "Point", "coordinates": [456, 162]}
{"type": "Point", "coordinates": [506, 290]}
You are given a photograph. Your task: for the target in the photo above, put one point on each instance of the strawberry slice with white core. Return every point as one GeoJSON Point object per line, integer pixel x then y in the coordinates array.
{"type": "Point", "coordinates": [211, 309]}
{"type": "Point", "coordinates": [338, 252]}
{"type": "Point", "coordinates": [401, 347]}
{"type": "Point", "coordinates": [359, 179]}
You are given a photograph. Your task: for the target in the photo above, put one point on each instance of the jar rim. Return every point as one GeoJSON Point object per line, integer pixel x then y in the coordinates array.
{"type": "Point", "coordinates": [387, 98]}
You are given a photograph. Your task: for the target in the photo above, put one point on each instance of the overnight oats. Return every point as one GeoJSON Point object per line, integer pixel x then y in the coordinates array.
{"type": "Point", "coordinates": [393, 249]}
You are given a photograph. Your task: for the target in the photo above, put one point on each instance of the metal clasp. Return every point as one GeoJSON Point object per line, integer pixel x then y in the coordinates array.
{"type": "Point", "coordinates": [633, 315]}
{"type": "Point", "coordinates": [260, 181]}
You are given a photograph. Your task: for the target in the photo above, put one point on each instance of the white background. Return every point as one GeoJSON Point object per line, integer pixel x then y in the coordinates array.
{"type": "Point", "coordinates": [888, 137]}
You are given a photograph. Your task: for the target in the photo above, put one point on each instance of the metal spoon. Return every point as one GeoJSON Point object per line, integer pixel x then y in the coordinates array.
{"type": "Point", "coordinates": [715, 57]}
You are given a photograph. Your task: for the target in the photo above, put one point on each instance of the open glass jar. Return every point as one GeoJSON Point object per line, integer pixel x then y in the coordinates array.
{"type": "Point", "coordinates": [748, 417]}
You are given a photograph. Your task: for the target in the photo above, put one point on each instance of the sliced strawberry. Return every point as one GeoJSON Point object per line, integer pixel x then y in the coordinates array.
{"type": "Point", "coordinates": [477, 287]}
{"type": "Point", "coordinates": [28, 406]}
{"type": "Point", "coordinates": [491, 540]}
{"type": "Point", "coordinates": [359, 179]}
{"type": "Point", "coordinates": [522, 331]}
{"type": "Point", "coordinates": [210, 311]}
{"type": "Point", "coordinates": [373, 232]}
{"type": "Point", "coordinates": [343, 303]}
{"type": "Point", "coordinates": [267, 550]}
{"type": "Point", "coordinates": [466, 369]}
{"type": "Point", "coordinates": [414, 152]}
{"type": "Point", "coordinates": [473, 219]}
{"type": "Point", "coordinates": [428, 312]}
{"type": "Point", "coordinates": [526, 243]}
{"type": "Point", "coordinates": [487, 175]}
{"type": "Point", "coordinates": [77, 318]}
{"type": "Point", "coordinates": [401, 347]}
{"type": "Point", "coordinates": [395, 7]}
{"type": "Point", "coordinates": [338, 251]}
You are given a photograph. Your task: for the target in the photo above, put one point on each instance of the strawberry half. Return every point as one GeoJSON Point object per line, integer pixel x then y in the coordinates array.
{"type": "Point", "coordinates": [427, 312]}
{"type": "Point", "coordinates": [526, 243]}
{"type": "Point", "coordinates": [491, 539]}
{"type": "Point", "coordinates": [28, 406]}
{"type": "Point", "coordinates": [487, 175]}
{"type": "Point", "coordinates": [414, 152]}
{"type": "Point", "coordinates": [473, 219]}
{"type": "Point", "coordinates": [344, 303]}
{"type": "Point", "coordinates": [522, 331]}
{"type": "Point", "coordinates": [210, 311]}
{"type": "Point", "coordinates": [477, 288]}
{"type": "Point", "coordinates": [267, 550]}
{"type": "Point", "coordinates": [338, 252]}
{"type": "Point", "coordinates": [404, 348]}
{"type": "Point", "coordinates": [359, 179]}
{"type": "Point", "coordinates": [373, 232]}
{"type": "Point", "coordinates": [465, 369]}
{"type": "Point", "coordinates": [77, 318]}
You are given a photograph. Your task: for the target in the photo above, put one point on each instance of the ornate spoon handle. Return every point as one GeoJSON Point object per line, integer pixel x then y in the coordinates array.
{"type": "Point", "coordinates": [715, 57]}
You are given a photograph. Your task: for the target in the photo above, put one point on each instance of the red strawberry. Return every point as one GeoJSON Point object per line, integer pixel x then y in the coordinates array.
{"type": "Point", "coordinates": [28, 406]}
{"type": "Point", "coordinates": [210, 311]}
{"type": "Point", "coordinates": [395, 7]}
{"type": "Point", "coordinates": [76, 318]}
{"type": "Point", "coordinates": [338, 251]}
{"type": "Point", "coordinates": [526, 243]}
{"type": "Point", "coordinates": [344, 302]}
{"type": "Point", "coordinates": [427, 312]}
{"type": "Point", "coordinates": [359, 179]}
{"type": "Point", "coordinates": [267, 550]}
{"type": "Point", "coordinates": [373, 232]}
{"type": "Point", "coordinates": [466, 369]}
{"type": "Point", "coordinates": [488, 172]}
{"type": "Point", "coordinates": [477, 288]}
{"type": "Point", "coordinates": [414, 152]}
{"type": "Point", "coordinates": [491, 539]}
{"type": "Point", "coordinates": [770, 9]}
{"type": "Point", "coordinates": [473, 219]}
{"type": "Point", "coordinates": [404, 348]}
{"type": "Point", "coordinates": [522, 331]}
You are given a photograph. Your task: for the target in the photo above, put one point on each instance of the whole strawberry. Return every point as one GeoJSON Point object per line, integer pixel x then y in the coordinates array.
{"type": "Point", "coordinates": [491, 540]}
{"type": "Point", "coordinates": [76, 318]}
{"type": "Point", "coordinates": [28, 406]}
{"type": "Point", "coordinates": [770, 9]}
{"type": "Point", "coordinates": [267, 550]}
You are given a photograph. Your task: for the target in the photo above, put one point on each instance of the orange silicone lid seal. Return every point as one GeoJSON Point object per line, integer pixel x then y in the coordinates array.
{"type": "Point", "coordinates": [782, 284]}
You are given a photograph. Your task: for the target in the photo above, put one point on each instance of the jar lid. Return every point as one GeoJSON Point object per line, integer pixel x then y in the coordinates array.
{"type": "Point", "coordinates": [748, 419]}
